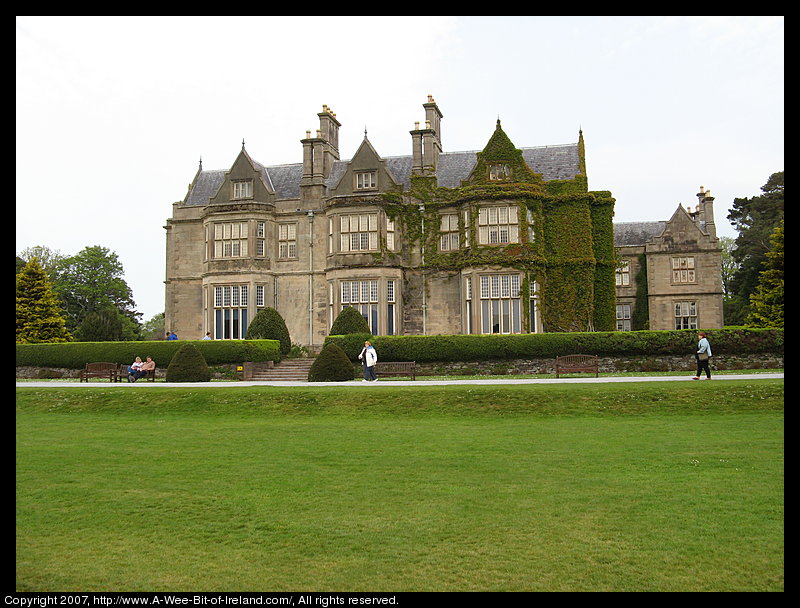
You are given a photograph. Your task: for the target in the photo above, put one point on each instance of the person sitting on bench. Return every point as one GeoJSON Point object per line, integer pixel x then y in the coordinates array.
{"type": "Point", "coordinates": [146, 367]}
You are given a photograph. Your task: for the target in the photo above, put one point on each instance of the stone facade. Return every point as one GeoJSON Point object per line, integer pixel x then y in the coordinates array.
{"type": "Point", "coordinates": [504, 240]}
{"type": "Point", "coordinates": [680, 285]}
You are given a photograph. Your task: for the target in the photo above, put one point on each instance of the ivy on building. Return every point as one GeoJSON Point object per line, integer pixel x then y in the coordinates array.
{"type": "Point", "coordinates": [571, 256]}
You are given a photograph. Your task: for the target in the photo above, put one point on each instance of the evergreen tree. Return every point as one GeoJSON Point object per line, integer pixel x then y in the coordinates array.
{"type": "Point", "coordinates": [349, 321]}
{"type": "Point", "coordinates": [331, 365]}
{"type": "Point", "coordinates": [188, 365]}
{"type": "Point", "coordinates": [754, 218]}
{"type": "Point", "coordinates": [766, 302]}
{"type": "Point", "coordinates": [39, 317]}
{"type": "Point", "coordinates": [101, 326]}
{"type": "Point", "coordinates": [268, 324]}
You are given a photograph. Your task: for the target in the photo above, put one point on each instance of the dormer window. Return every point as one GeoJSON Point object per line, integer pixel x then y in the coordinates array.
{"type": "Point", "coordinates": [499, 172]}
{"type": "Point", "coordinates": [366, 180]}
{"type": "Point", "coordinates": [242, 189]}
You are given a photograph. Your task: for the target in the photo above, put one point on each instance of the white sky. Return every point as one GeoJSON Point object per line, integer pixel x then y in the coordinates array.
{"type": "Point", "coordinates": [114, 113]}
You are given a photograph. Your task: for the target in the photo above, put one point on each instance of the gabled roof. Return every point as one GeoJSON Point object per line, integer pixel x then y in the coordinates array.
{"type": "Point", "coordinates": [552, 162]}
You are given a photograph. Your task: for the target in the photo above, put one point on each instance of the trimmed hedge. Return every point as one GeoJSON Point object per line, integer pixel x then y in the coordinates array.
{"type": "Point", "coordinates": [75, 355]}
{"type": "Point", "coordinates": [551, 345]}
{"type": "Point", "coordinates": [188, 365]}
{"type": "Point", "coordinates": [331, 365]}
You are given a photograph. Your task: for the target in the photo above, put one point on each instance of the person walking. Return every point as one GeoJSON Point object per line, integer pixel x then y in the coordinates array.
{"type": "Point", "coordinates": [703, 355]}
{"type": "Point", "coordinates": [369, 357]}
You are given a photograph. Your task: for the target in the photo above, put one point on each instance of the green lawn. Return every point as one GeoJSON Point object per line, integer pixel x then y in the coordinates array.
{"type": "Point", "coordinates": [617, 487]}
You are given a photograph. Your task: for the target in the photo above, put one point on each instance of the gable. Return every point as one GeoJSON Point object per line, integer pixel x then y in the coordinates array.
{"type": "Point", "coordinates": [365, 172]}
{"type": "Point", "coordinates": [500, 161]}
{"type": "Point", "coordinates": [246, 180]}
{"type": "Point", "coordinates": [681, 233]}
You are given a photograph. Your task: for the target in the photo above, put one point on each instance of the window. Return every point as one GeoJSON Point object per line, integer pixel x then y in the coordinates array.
{"type": "Point", "coordinates": [501, 309]}
{"type": "Point", "coordinates": [683, 270]}
{"type": "Point", "coordinates": [359, 232]}
{"type": "Point", "coordinates": [261, 249]}
{"type": "Point", "coordinates": [534, 305]}
{"type": "Point", "coordinates": [230, 312]}
{"type": "Point", "coordinates": [623, 274]}
{"type": "Point", "coordinates": [498, 225]}
{"type": "Point", "coordinates": [468, 296]}
{"type": "Point", "coordinates": [363, 296]}
{"type": "Point", "coordinates": [287, 240]}
{"type": "Point", "coordinates": [623, 317]}
{"type": "Point", "coordinates": [366, 180]}
{"type": "Point", "coordinates": [685, 315]}
{"type": "Point", "coordinates": [230, 240]}
{"type": "Point", "coordinates": [499, 172]}
{"type": "Point", "coordinates": [389, 234]}
{"type": "Point", "coordinates": [449, 239]}
{"type": "Point", "coordinates": [242, 189]}
{"type": "Point", "coordinates": [376, 300]}
{"type": "Point", "coordinates": [390, 308]}
{"type": "Point", "coordinates": [531, 230]}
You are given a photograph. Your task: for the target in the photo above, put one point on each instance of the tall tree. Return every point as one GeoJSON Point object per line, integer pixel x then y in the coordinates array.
{"type": "Point", "coordinates": [766, 302]}
{"type": "Point", "coordinates": [754, 218]}
{"type": "Point", "coordinates": [48, 259]}
{"type": "Point", "coordinates": [39, 317]}
{"type": "Point", "coordinates": [91, 281]}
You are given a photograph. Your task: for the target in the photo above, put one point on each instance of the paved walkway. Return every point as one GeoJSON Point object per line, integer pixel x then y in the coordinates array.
{"type": "Point", "coordinates": [416, 384]}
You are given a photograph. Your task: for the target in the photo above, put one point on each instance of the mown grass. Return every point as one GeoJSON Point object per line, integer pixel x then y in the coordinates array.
{"type": "Point", "coordinates": [617, 487]}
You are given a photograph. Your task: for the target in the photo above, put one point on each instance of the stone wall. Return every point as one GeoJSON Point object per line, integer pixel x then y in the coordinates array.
{"type": "Point", "coordinates": [515, 366]}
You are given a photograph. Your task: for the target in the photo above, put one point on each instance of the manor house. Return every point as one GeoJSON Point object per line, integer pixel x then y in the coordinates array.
{"type": "Point", "coordinates": [502, 240]}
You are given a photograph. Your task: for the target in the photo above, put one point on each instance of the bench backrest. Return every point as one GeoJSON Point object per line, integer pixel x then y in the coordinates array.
{"type": "Point", "coordinates": [576, 359]}
{"type": "Point", "coordinates": [100, 367]}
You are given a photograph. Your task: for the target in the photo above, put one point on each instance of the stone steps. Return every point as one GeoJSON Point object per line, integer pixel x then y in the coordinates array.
{"type": "Point", "coordinates": [291, 370]}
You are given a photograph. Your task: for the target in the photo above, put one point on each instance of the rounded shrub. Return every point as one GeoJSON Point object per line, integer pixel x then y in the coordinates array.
{"type": "Point", "coordinates": [188, 365]}
{"type": "Point", "coordinates": [268, 324]}
{"type": "Point", "coordinates": [331, 365]}
{"type": "Point", "coordinates": [349, 321]}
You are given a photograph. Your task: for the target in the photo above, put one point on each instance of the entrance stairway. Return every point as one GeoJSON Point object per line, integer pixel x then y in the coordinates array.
{"type": "Point", "coordinates": [288, 370]}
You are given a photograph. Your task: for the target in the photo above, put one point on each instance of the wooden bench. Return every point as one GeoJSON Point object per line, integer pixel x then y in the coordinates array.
{"type": "Point", "coordinates": [396, 368]}
{"type": "Point", "coordinates": [99, 370]}
{"type": "Point", "coordinates": [150, 376]}
{"type": "Point", "coordinates": [577, 363]}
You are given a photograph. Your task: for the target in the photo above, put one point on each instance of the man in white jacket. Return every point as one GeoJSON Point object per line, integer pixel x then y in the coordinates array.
{"type": "Point", "coordinates": [369, 358]}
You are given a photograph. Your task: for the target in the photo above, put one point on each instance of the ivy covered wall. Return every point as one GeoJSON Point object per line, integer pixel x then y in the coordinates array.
{"type": "Point", "coordinates": [570, 256]}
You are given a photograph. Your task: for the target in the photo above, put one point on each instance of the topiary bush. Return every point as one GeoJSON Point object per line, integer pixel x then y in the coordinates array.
{"type": "Point", "coordinates": [188, 365]}
{"type": "Point", "coordinates": [268, 324]}
{"type": "Point", "coordinates": [349, 321]}
{"type": "Point", "coordinates": [331, 365]}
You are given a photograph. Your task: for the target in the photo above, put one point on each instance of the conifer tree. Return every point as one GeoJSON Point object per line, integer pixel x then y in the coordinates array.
{"type": "Point", "coordinates": [766, 303]}
{"type": "Point", "coordinates": [268, 324]}
{"type": "Point", "coordinates": [39, 316]}
{"type": "Point", "coordinates": [349, 321]}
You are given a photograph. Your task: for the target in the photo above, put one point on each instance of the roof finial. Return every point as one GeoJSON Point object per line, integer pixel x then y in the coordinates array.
{"type": "Point", "coordinates": [242, 143]}
{"type": "Point", "coordinates": [201, 162]}
{"type": "Point", "coordinates": [365, 131]}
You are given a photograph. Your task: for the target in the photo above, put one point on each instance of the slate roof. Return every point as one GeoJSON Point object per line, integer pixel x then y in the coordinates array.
{"type": "Point", "coordinates": [553, 162]}
{"type": "Point", "coordinates": [636, 233]}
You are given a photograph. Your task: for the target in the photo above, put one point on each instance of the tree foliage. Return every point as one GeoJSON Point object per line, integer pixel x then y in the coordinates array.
{"type": "Point", "coordinates": [39, 317]}
{"type": "Point", "coordinates": [349, 321]}
{"type": "Point", "coordinates": [755, 219]}
{"type": "Point", "coordinates": [268, 324]}
{"type": "Point", "coordinates": [188, 365]}
{"type": "Point", "coordinates": [331, 365]}
{"type": "Point", "coordinates": [92, 281]}
{"type": "Point", "coordinates": [766, 302]}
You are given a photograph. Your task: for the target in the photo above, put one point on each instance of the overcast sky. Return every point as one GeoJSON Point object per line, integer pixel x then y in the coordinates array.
{"type": "Point", "coordinates": [114, 113]}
